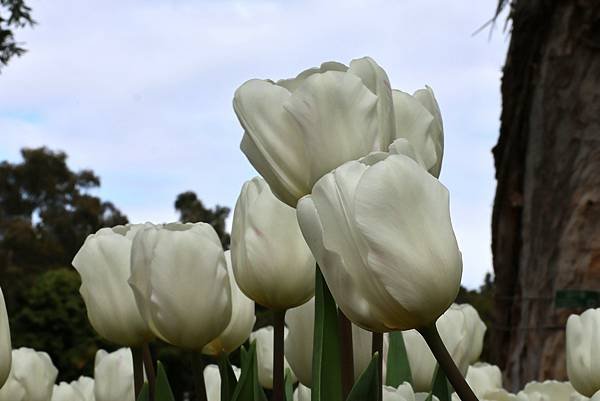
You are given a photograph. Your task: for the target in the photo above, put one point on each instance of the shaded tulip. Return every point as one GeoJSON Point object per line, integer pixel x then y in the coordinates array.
{"type": "Point", "coordinates": [583, 351]}
{"type": "Point", "coordinates": [103, 262]}
{"type": "Point", "coordinates": [595, 397]}
{"type": "Point", "coordinates": [180, 282]}
{"type": "Point", "coordinates": [483, 378]}
{"type": "Point", "coordinates": [5, 345]}
{"type": "Point", "coordinates": [241, 322]}
{"type": "Point", "coordinates": [418, 119]}
{"type": "Point", "coordinates": [113, 375]}
{"type": "Point", "coordinates": [550, 390]}
{"type": "Point", "coordinates": [12, 390]}
{"type": "Point", "coordinates": [296, 130]}
{"type": "Point", "coordinates": [462, 332]}
{"type": "Point", "coordinates": [271, 261]}
{"type": "Point", "coordinates": [85, 385]}
{"type": "Point", "coordinates": [264, 355]}
{"type": "Point", "coordinates": [404, 392]}
{"type": "Point", "coordinates": [495, 395]}
{"type": "Point", "coordinates": [66, 392]}
{"type": "Point", "coordinates": [212, 379]}
{"type": "Point", "coordinates": [299, 343]}
{"type": "Point", "coordinates": [381, 233]}
{"type": "Point", "coordinates": [302, 393]}
{"type": "Point", "coordinates": [34, 372]}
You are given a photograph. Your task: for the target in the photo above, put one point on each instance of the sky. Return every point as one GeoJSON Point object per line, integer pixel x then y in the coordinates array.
{"type": "Point", "coordinates": [140, 91]}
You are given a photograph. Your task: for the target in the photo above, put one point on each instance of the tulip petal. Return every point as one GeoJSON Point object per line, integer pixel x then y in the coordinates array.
{"type": "Point", "coordinates": [427, 99]}
{"type": "Point", "coordinates": [403, 215]}
{"type": "Point", "coordinates": [292, 84]}
{"type": "Point", "coordinates": [337, 116]}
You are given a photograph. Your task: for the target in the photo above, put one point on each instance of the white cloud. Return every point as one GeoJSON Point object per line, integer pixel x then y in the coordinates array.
{"type": "Point", "coordinates": [140, 90]}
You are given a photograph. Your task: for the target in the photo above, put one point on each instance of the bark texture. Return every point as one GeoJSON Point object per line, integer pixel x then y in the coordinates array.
{"type": "Point", "coordinates": [546, 216]}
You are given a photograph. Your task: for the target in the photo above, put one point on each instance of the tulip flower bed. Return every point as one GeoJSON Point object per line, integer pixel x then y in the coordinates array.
{"type": "Point", "coordinates": [346, 237]}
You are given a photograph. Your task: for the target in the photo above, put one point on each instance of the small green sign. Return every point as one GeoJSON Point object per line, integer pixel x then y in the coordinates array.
{"type": "Point", "coordinates": [577, 299]}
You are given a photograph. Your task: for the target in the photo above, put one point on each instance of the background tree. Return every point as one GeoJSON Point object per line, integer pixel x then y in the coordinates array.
{"type": "Point", "coordinates": [545, 224]}
{"type": "Point", "coordinates": [14, 14]}
{"type": "Point", "coordinates": [192, 210]}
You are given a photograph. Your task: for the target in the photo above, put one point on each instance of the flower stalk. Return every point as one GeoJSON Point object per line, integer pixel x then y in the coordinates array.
{"type": "Point", "coordinates": [347, 353]}
{"type": "Point", "coordinates": [435, 343]}
{"type": "Point", "coordinates": [377, 347]}
{"type": "Point", "coordinates": [278, 357]}
{"type": "Point", "coordinates": [150, 372]}
{"type": "Point", "coordinates": [198, 371]}
{"type": "Point", "coordinates": [138, 370]}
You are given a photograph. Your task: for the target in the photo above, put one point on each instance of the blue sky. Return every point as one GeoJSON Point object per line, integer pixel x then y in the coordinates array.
{"type": "Point", "coordinates": [140, 90]}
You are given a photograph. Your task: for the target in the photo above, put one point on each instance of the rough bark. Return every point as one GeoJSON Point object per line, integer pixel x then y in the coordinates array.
{"type": "Point", "coordinates": [546, 216]}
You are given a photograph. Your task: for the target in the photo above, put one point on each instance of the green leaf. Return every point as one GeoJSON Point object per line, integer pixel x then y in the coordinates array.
{"type": "Point", "coordinates": [398, 366]}
{"type": "Point", "coordinates": [440, 386]}
{"type": "Point", "coordinates": [144, 393]}
{"type": "Point", "coordinates": [326, 364]}
{"type": "Point", "coordinates": [288, 385]}
{"type": "Point", "coordinates": [228, 379]}
{"type": "Point", "coordinates": [367, 386]}
{"type": "Point", "coordinates": [163, 388]}
{"type": "Point", "coordinates": [248, 388]}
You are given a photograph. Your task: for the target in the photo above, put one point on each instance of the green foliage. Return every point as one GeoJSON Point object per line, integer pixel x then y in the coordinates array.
{"type": "Point", "coordinates": [13, 14]}
{"type": "Point", "coordinates": [144, 393]}
{"type": "Point", "coordinates": [398, 366]}
{"type": "Point", "coordinates": [163, 388]}
{"type": "Point", "coordinates": [192, 210]}
{"type": "Point", "coordinates": [52, 317]}
{"type": "Point", "coordinates": [248, 388]}
{"type": "Point", "coordinates": [326, 374]}
{"type": "Point", "coordinates": [228, 379]}
{"type": "Point", "coordinates": [441, 387]}
{"type": "Point", "coordinates": [288, 386]}
{"type": "Point", "coordinates": [367, 387]}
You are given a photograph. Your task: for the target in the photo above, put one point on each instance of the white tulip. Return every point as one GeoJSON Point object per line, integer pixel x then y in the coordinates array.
{"type": "Point", "coordinates": [264, 355]}
{"type": "Point", "coordinates": [271, 261]}
{"type": "Point", "coordinates": [299, 343]}
{"type": "Point", "coordinates": [550, 390]}
{"type": "Point", "coordinates": [85, 385]}
{"type": "Point", "coordinates": [418, 119]}
{"type": "Point", "coordinates": [299, 129]}
{"type": "Point", "coordinates": [5, 345]}
{"type": "Point", "coordinates": [462, 332]}
{"type": "Point", "coordinates": [403, 392]}
{"type": "Point", "coordinates": [483, 378]}
{"type": "Point", "coordinates": [180, 282]}
{"type": "Point", "coordinates": [380, 230]}
{"type": "Point", "coordinates": [34, 372]}
{"type": "Point", "coordinates": [302, 393]}
{"type": "Point", "coordinates": [103, 262]}
{"type": "Point", "coordinates": [113, 375]}
{"type": "Point", "coordinates": [583, 351]}
{"type": "Point", "coordinates": [66, 392]}
{"type": "Point", "coordinates": [596, 396]}
{"type": "Point", "coordinates": [241, 322]}
{"type": "Point", "coordinates": [212, 379]}
{"type": "Point", "coordinates": [12, 390]}
{"type": "Point", "coordinates": [494, 395]}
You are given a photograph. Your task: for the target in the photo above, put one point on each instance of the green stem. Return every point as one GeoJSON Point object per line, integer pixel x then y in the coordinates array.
{"type": "Point", "coordinates": [347, 353]}
{"type": "Point", "coordinates": [433, 339]}
{"type": "Point", "coordinates": [150, 372]}
{"type": "Point", "coordinates": [138, 370]}
{"type": "Point", "coordinates": [198, 371]}
{"type": "Point", "coordinates": [278, 336]}
{"type": "Point", "coordinates": [377, 347]}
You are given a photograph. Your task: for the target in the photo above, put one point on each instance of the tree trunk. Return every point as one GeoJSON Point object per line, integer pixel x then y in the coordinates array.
{"type": "Point", "coordinates": [546, 216]}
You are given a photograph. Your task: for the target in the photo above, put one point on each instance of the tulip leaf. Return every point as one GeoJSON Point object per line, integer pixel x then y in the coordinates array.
{"type": "Point", "coordinates": [326, 364]}
{"type": "Point", "coordinates": [367, 386]}
{"type": "Point", "coordinates": [144, 393]}
{"type": "Point", "coordinates": [398, 366]}
{"type": "Point", "coordinates": [163, 388]}
{"type": "Point", "coordinates": [247, 388]}
{"type": "Point", "coordinates": [228, 379]}
{"type": "Point", "coordinates": [288, 385]}
{"type": "Point", "coordinates": [441, 387]}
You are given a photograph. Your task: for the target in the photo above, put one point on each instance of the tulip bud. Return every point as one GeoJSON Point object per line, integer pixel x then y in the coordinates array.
{"type": "Point", "coordinates": [34, 373]}
{"type": "Point", "coordinates": [65, 392]}
{"type": "Point", "coordinates": [264, 355]}
{"type": "Point", "coordinates": [550, 390]}
{"type": "Point", "coordinates": [299, 129]}
{"type": "Point", "coordinates": [299, 343]}
{"type": "Point", "coordinates": [103, 262]}
{"type": "Point", "coordinates": [302, 393]}
{"type": "Point", "coordinates": [382, 235]}
{"type": "Point", "coordinates": [180, 282]}
{"type": "Point", "coordinates": [5, 345]}
{"type": "Point", "coordinates": [418, 119]}
{"type": "Point", "coordinates": [462, 332]}
{"type": "Point", "coordinates": [113, 375]}
{"type": "Point", "coordinates": [85, 385]}
{"type": "Point", "coordinates": [271, 261]}
{"type": "Point", "coordinates": [212, 379]}
{"type": "Point", "coordinates": [583, 351]}
{"type": "Point", "coordinates": [241, 322]}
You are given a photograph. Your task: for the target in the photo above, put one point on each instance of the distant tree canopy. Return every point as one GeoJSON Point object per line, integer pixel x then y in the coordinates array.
{"type": "Point", "coordinates": [14, 14]}
{"type": "Point", "coordinates": [192, 210]}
